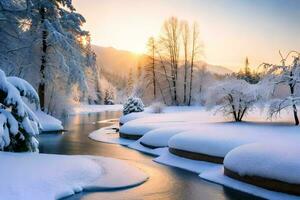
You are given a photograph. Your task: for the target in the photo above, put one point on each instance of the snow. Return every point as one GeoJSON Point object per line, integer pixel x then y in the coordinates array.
{"type": "Point", "coordinates": [48, 122]}
{"type": "Point", "coordinates": [133, 104]}
{"type": "Point", "coordinates": [149, 112]}
{"type": "Point", "coordinates": [216, 175]}
{"type": "Point", "coordinates": [109, 135]}
{"type": "Point", "coordinates": [17, 116]}
{"type": "Point", "coordinates": [160, 137]}
{"type": "Point", "coordinates": [48, 177]}
{"type": "Point", "coordinates": [24, 88]}
{"type": "Point", "coordinates": [273, 161]}
{"type": "Point", "coordinates": [220, 138]}
{"type": "Point", "coordinates": [147, 123]}
{"type": "Point", "coordinates": [132, 116]}
{"type": "Point", "coordinates": [85, 109]}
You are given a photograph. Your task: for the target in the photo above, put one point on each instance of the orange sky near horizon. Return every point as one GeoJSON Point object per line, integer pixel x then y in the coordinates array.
{"type": "Point", "coordinates": [230, 30]}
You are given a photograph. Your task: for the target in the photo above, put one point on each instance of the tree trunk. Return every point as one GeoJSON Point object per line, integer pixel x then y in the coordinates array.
{"type": "Point", "coordinates": [41, 89]}
{"type": "Point", "coordinates": [294, 105]}
{"type": "Point", "coordinates": [191, 79]}
{"type": "Point", "coordinates": [153, 72]}
{"type": "Point", "coordinates": [295, 115]}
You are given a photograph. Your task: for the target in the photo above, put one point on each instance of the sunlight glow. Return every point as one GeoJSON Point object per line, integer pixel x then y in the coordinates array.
{"type": "Point", "coordinates": [230, 31]}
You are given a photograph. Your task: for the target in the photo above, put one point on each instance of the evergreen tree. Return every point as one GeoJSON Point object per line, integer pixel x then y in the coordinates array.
{"type": "Point", "coordinates": [18, 124]}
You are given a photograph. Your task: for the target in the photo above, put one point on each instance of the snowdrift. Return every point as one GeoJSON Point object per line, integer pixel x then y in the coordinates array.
{"type": "Point", "coordinates": [43, 176]}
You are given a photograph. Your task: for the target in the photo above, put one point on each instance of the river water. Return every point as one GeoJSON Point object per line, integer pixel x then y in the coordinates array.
{"type": "Point", "coordinates": [165, 183]}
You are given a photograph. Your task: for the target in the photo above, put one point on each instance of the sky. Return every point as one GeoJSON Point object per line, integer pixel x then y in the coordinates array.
{"type": "Point", "coordinates": [230, 29]}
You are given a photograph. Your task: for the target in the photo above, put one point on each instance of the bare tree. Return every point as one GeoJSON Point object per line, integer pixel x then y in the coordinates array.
{"type": "Point", "coordinates": [196, 50]}
{"type": "Point", "coordinates": [171, 42]}
{"type": "Point", "coordinates": [185, 39]}
{"type": "Point", "coordinates": [150, 67]}
{"type": "Point", "coordinates": [288, 75]}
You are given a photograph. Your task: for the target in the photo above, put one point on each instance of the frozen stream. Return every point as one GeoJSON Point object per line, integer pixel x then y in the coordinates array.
{"type": "Point", "coordinates": [164, 183]}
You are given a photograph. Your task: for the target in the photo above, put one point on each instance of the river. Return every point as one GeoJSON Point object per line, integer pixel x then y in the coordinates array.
{"type": "Point", "coordinates": [165, 183]}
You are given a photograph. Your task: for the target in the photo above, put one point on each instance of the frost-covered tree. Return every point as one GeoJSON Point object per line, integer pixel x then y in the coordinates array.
{"type": "Point", "coordinates": [133, 104]}
{"type": "Point", "coordinates": [109, 96]}
{"type": "Point", "coordinates": [287, 75]}
{"type": "Point", "coordinates": [58, 27]}
{"type": "Point", "coordinates": [18, 124]}
{"type": "Point", "coordinates": [44, 39]}
{"type": "Point", "coordinates": [233, 97]}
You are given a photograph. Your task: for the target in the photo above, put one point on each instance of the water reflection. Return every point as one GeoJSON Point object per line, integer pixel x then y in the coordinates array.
{"type": "Point", "coordinates": [164, 183]}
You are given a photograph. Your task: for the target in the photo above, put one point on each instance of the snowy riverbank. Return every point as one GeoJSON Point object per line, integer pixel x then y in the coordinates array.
{"type": "Point", "coordinates": [199, 136]}
{"type": "Point", "coordinates": [43, 176]}
{"type": "Point", "coordinates": [85, 109]}
{"type": "Point", "coordinates": [48, 122]}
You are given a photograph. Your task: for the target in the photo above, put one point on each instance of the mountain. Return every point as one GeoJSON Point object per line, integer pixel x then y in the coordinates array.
{"type": "Point", "coordinates": [119, 61]}
{"type": "Point", "coordinates": [115, 61]}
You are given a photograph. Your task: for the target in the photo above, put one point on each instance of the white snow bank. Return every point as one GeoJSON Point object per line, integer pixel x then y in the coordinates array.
{"type": "Point", "coordinates": [48, 122]}
{"type": "Point", "coordinates": [132, 116]}
{"type": "Point", "coordinates": [148, 112]}
{"type": "Point", "coordinates": [116, 174]}
{"type": "Point", "coordinates": [142, 125]}
{"type": "Point", "coordinates": [217, 139]}
{"type": "Point", "coordinates": [44, 176]}
{"type": "Point", "coordinates": [159, 137]}
{"type": "Point", "coordinates": [183, 163]}
{"type": "Point", "coordinates": [85, 109]}
{"type": "Point", "coordinates": [216, 175]}
{"type": "Point", "coordinates": [109, 135]}
{"type": "Point", "coordinates": [278, 161]}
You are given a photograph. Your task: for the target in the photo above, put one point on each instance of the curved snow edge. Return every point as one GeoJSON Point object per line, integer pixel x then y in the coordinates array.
{"type": "Point", "coordinates": [116, 174]}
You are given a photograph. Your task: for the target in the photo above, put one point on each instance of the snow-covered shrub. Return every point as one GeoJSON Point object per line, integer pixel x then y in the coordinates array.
{"type": "Point", "coordinates": [157, 107]}
{"type": "Point", "coordinates": [288, 76]}
{"type": "Point", "coordinates": [234, 97]}
{"type": "Point", "coordinates": [133, 104]}
{"type": "Point", "coordinates": [18, 124]}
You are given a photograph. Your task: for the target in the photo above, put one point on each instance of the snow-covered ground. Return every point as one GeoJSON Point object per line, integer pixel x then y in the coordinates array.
{"type": "Point", "coordinates": [199, 131]}
{"type": "Point", "coordinates": [278, 161]}
{"type": "Point", "coordinates": [48, 122]}
{"type": "Point", "coordinates": [85, 109]}
{"type": "Point", "coordinates": [27, 176]}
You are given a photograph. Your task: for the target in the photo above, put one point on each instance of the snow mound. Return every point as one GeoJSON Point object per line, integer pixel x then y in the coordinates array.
{"type": "Point", "coordinates": [132, 116]}
{"type": "Point", "coordinates": [142, 125]}
{"type": "Point", "coordinates": [116, 174]}
{"type": "Point", "coordinates": [48, 122]}
{"type": "Point", "coordinates": [217, 139]}
{"type": "Point", "coordinates": [216, 175]}
{"type": "Point", "coordinates": [167, 113]}
{"type": "Point", "coordinates": [43, 176]}
{"type": "Point", "coordinates": [190, 165]}
{"type": "Point", "coordinates": [160, 137]}
{"type": "Point", "coordinates": [273, 161]}
{"type": "Point", "coordinates": [109, 135]}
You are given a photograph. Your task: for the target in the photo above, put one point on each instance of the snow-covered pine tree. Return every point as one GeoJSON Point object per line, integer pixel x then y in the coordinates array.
{"type": "Point", "coordinates": [43, 39]}
{"type": "Point", "coordinates": [133, 104]}
{"type": "Point", "coordinates": [57, 29]}
{"type": "Point", "coordinates": [289, 76]}
{"type": "Point", "coordinates": [18, 124]}
{"type": "Point", "coordinates": [234, 97]}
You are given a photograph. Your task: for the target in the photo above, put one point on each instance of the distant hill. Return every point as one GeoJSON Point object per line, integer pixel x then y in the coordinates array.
{"type": "Point", "coordinates": [119, 61]}
{"type": "Point", "coordinates": [115, 61]}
